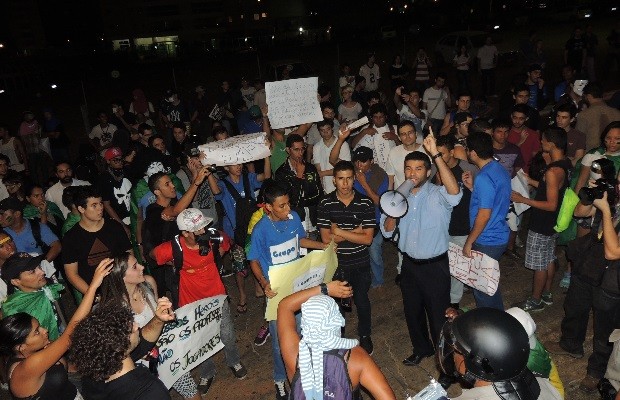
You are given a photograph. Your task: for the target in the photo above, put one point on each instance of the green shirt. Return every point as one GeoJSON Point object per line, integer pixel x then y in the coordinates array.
{"type": "Point", "coordinates": [278, 155]}
{"type": "Point", "coordinates": [70, 222]}
{"type": "Point", "coordinates": [32, 212]}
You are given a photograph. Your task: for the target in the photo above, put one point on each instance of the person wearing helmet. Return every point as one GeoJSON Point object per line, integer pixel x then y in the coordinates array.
{"type": "Point", "coordinates": [488, 349]}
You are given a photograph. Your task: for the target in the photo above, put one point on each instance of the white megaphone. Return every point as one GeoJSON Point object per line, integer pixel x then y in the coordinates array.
{"type": "Point", "coordinates": [394, 203]}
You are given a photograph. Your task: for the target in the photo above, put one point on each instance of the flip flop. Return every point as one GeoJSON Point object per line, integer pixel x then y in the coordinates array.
{"type": "Point", "coordinates": [242, 308]}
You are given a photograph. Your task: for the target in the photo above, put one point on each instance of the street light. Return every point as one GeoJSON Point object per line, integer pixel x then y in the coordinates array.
{"type": "Point", "coordinates": [54, 86]}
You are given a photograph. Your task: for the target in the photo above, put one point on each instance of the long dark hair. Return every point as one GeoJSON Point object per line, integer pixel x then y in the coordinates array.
{"type": "Point", "coordinates": [113, 287]}
{"type": "Point", "coordinates": [14, 330]}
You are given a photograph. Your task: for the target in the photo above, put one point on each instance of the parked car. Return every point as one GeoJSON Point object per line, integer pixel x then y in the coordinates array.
{"type": "Point", "coordinates": [446, 46]}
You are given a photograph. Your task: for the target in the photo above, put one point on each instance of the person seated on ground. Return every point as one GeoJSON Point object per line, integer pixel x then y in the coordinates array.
{"type": "Point", "coordinates": [488, 349]}
{"type": "Point", "coordinates": [7, 249]}
{"type": "Point", "coordinates": [105, 346]}
{"type": "Point", "coordinates": [40, 209]}
{"type": "Point", "coordinates": [321, 324]}
{"type": "Point", "coordinates": [36, 367]}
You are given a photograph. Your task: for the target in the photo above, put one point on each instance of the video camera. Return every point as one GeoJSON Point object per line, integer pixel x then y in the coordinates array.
{"type": "Point", "coordinates": [587, 195]}
{"type": "Point", "coordinates": [210, 239]}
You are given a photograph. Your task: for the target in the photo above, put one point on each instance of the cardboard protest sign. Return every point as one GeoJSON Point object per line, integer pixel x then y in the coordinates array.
{"type": "Point", "coordinates": [317, 267]}
{"type": "Point", "coordinates": [480, 272]}
{"type": "Point", "coordinates": [235, 150]}
{"type": "Point", "coordinates": [195, 337]}
{"type": "Point", "coordinates": [293, 102]}
{"type": "Point", "coordinates": [519, 185]}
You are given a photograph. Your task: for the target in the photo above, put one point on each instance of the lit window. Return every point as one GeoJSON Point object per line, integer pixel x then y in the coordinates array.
{"type": "Point", "coordinates": [264, 15]}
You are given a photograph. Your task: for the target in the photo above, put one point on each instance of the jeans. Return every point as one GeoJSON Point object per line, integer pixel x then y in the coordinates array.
{"type": "Point", "coordinates": [582, 297]}
{"type": "Point", "coordinates": [426, 293]}
{"type": "Point", "coordinates": [376, 259]}
{"type": "Point", "coordinates": [229, 339]}
{"type": "Point", "coordinates": [483, 299]}
{"type": "Point", "coordinates": [456, 286]}
{"type": "Point", "coordinates": [463, 79]}
{"type": "Point", "coordinates": [488, 81]}
{"type": "Point", "coordinates": [359, 279]}
{"type": "Point", "coordinates": [279, 371]}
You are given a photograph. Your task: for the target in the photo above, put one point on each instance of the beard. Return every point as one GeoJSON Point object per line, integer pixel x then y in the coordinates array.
{"type": "Point", "coordinates": [66, 179]}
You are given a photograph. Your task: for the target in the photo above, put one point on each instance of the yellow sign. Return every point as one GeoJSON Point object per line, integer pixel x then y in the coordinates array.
{"type": "Point", "coordinates": [318, 266]}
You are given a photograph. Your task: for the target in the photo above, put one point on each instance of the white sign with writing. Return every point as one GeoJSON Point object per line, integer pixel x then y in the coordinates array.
{"type": "Point", "coordinates": [479, 272]}
{"type": "Point", "coordinates": [293, 102]}
{"type": "Point", "coordinates": [193, 338]}
{"type": "Point", "coordinates": [235, 150]}
{"type": "Point", "coordinates": [519, 184]}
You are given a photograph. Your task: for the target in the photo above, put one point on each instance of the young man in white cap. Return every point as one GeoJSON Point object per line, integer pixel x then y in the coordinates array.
{"type": "Point", "coordinates": [200, 279]}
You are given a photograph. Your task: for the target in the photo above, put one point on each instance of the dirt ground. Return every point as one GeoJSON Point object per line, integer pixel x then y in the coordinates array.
{"type": "Point", "coordinates": [391, 340]}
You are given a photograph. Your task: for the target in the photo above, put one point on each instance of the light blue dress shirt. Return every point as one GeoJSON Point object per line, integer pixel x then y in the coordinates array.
{"type": "Point", "coordinates": [424, 229]}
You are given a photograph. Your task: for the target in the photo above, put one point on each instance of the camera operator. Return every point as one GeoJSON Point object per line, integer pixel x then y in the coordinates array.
{"type": "Point", "coordinates": [594, 285]}
{"type": "Point", "coordinates": [193, 253]}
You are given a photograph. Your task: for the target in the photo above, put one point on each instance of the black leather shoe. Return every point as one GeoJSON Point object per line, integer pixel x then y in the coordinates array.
{"type": "Point", "coordinates": [415, 359]}
{"type": "Point", "coordinates": [446, 380]}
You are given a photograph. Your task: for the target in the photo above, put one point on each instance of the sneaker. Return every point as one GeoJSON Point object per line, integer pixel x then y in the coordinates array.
{"type": "Point", "coordinates": [565, 282]}
{"type": "Point", "coordinates": [239, 371]}
{"type": "Point", "coordinates": [547, 298]}
{"type": "Point", "coordinates": [205, 384]}
{"type": "Point", "coordinates": [557, 349]}
{"type": "Point", "coordinates": [588, 384]}
{"type": "Point", "coordinates": [530, 305]}
{"type": "Point", "coordinates": [366, 344]}
{"type": "Point", "coordinates": [281, 392]}
{"type": "Point", "coordinates": [262, 336]}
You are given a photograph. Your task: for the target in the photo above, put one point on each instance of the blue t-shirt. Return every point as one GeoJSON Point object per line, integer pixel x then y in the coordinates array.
{"type": "Point", "coordinates": [276, 242]}
{"type": "Point", "coordinates": [24, 240]}
{"type": "Point", "coordinates": [229, 203]}
{"type": "Point", "coordinates": [383, 187]}
{"type": "Point", "coordinates": [491, 190]}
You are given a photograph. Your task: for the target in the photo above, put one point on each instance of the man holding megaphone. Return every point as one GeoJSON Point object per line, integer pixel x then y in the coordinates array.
{"type": "Point", "coordinates": [423, 239]}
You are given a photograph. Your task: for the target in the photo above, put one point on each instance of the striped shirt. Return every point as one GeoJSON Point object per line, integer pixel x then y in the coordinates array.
{"type": "Point", "coordinates": [360, 210]}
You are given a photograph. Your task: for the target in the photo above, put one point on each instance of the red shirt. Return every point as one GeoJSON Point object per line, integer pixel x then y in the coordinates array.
{"type": "Point", "coordinates": [199, 277]}
{"type": "Point", "coordinates": [529, 147]}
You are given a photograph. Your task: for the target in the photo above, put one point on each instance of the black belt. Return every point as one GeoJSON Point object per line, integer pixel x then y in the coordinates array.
{"type": "Point", "coordinates": [428, 260]}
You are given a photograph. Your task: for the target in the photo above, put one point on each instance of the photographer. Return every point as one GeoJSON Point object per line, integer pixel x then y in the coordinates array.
{"type": "Point", "coordinates": [193, 253]}
{"type": "Point", "coordinates": [594, 284]}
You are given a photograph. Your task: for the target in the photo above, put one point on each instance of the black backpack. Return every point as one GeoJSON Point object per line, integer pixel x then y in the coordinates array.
{"type": "Point", "coordinates": [244, 208]}
{"type": "Point", "coordinates": [35, 227]}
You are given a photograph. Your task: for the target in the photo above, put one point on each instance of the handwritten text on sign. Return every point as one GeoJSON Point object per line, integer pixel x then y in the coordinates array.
{"type": "Point", "coordinates": [194, 338]}
{"type": "Point", "coordinates": [293, 102]}
{"type": "Point", "coordinates": [479, 272]}
{"type": "Point", "coordinates": [235, 150]}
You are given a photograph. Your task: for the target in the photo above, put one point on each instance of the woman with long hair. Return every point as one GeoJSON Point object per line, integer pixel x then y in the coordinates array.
{"type": "Point", "coordinates": [36, 367]}
{"type": "Point", "coordinates": [126, 284]}
{"type": "Point", "coordinates": [462, 62]}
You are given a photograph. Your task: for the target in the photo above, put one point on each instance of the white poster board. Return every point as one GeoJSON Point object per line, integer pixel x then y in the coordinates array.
{"type": "Point", "coordinates": [235, 150]}
{"type": "Point", "coordinates": [479, 272]}
{"type": "Point", "coordinates": [195, 337]}
{"type": "Point", "coordinates": [293, 102]}
{"type": "Point", "coordinates": [306, 272]}
{"type": "Point", "coordinates": [519, 185]}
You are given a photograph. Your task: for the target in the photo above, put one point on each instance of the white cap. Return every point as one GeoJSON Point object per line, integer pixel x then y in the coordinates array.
{"type": "Point", "coordinates": [192, 220]}
{"type": "Point", "coordinates": [528, 323]}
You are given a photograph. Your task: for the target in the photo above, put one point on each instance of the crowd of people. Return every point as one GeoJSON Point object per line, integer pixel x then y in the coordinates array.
{"type": "Point", "coordinates": [124, 221]}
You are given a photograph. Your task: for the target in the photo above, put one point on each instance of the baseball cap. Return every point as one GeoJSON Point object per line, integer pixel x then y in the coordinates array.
{"type": "Point", "coordinates": [255, 112]}
{"type": "Point", "coordinates": [528, 323]}
{"type": "Point", "coordinates": [112, 152]}
{"type": "Point", "coordinates": [534, 67]}
{"type": "Point", "coordinates": [11, 203]}
{"type": "Point", "coordinates": [18, 263]}
{"type": "Point", "coordinates": [192, 220]}
{"type": "Point", "coordinates": [362, 154]}
{"type": "Point", "coordinates": [461, 117]}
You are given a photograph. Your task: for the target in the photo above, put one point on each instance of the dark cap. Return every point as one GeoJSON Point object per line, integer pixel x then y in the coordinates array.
{"type": "Point", "coordinates": [534, 67]}
{"type": "Point", "coordinates": [461, 117]}
{"type": "Point", "coordinates": [18, 263]}
{"type": "Point", "coordinates": [362, 154]}
{"type": "Point", "coordinates": [255, 112]}
{"type": "Point", "coordinates": [11, 203]}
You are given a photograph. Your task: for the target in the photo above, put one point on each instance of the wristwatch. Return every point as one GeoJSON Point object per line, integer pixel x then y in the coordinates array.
{"type": "Point", "coordinates": [323, 289]}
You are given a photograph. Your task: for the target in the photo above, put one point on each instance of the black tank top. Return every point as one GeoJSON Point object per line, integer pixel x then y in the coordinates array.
{"type": "Point", "coordinates": [56, 386]}
{"type": "Point", "coordinates": [542, 221]}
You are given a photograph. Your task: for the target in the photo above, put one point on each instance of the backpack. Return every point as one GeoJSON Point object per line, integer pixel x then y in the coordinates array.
{"type": "Point", "coordinates": [177, 256]}
{"type": "Point", "coordinates": [244, 208]}
{"type": "Point", "coordinates": [35, 227]}
{"type": "Point", "coordinates": [336, 381]}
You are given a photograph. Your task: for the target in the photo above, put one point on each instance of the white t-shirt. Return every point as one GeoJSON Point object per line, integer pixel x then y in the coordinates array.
{"type": "Point", "coordinates": [320, 155]}
{"type": "Point", "coordinates": [3, 192]}
{"type": "Point", "coordinates": [350, 114]}
{"type": "Point", "coordinates": [396, 163]}
{"type": "Point", "coordinates": [372, 76]}
{"type": "Point", "coordinates": [460, 59]}
{"type": "Point", "coordinates": [486, 55]}
{"type": "Point", "coordinates": [314, 136]}
{"type": "Point", "coordinates": [588, 159]}
{"type": "Point", "coordinates": [380, 146]}
{"type": "Point", "coordinates": [435, 100]}
{"type": "Point", "coordinates": [54, 194]}
{"type": "Point", "coordinates": [104, 135]}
